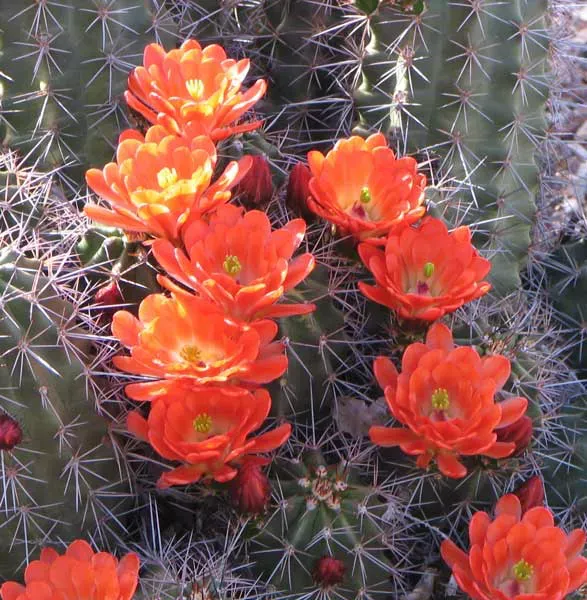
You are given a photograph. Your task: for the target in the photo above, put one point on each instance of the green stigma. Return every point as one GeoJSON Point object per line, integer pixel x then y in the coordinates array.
{"type": "Point", "coordinates": [202, 423]}
{"type": "Point", "coordinates": [523, 570]}
{"type": "Point", "coordinates": [440, 399]}
{"type": "Point", "coordinates": [429, 269]}
{"type": "Point", "coordinates": [365, 196]}
{"type": "Point", "coordinates": [232, 265]}
{"type": "Point", "coordinates": [190, 354]}
{"type": "Point", "coordinates": [166, 177]}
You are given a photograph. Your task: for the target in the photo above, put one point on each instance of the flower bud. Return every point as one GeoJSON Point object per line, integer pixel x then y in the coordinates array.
{"type": "Point", "coordinates": [256, 187]}
{"type": "Point", "coordinates": [531, 493]}
{"type": "Point", "coordinates": [250, 490]}
{"type": "Point", "coordinates": [108, 296]}
{"type": "Point", "coordinates": [298, 190]}
{"type": "Point", "coordinates": [10, 433]}
{"type": "Point", "coordinates": [328, 571]}
{"type": "Point", "coordinates": [518, 433]}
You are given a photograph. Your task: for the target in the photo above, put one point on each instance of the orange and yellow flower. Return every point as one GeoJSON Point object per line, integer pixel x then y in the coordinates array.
{"type": "Point", "coordinates": [425, 271]}
{"type": "Point", "coordinates": [445, 398]}
{"type": "Point", "coordinates": [363, 188]}
{"type": "Point", "coordinates": [207, 429]}
{"type": "Point", "coordinates": [193, 91]}
{"type": "Point", "coordinates": [161, 182]}
{"type": "Point", "coordinates": [518, 556]}
{"type": "Point", "coordinates": [185, 340]}
{"type": "Point", "coordinates": [239, 263]}
{"type": "Point", "coordinates": [80, 574]}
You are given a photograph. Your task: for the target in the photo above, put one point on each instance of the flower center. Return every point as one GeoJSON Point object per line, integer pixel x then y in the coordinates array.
{"type": "Point", "coordinates": [232, 265]}
{"type": "Point", "coordinates": [195, 88]}
{"type": "Point", "coordinates": [365, 196]}
{"type": "Point", "coordinates": [440, 400]}
{"type": "Point", "coordinates": [166, 177]}
{"type": "Point", "coordinates": [202, 423]}
{"type": "Point", "coordinates": [190, 354]}
{"type": "Point", "coordinates": [429, 269]}
{"type": "Point", "coordinates": [523, 570]}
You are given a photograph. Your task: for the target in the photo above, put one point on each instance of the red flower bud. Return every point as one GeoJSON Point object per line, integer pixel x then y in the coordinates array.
{"type": "Point", "coordinates": [108, 296]}
{"type": "Point", "coordinates": [10, 433]}
{"type": "Point", "coordinates": [256, 187]}
{"type": "Point", "coordinates": [328, 571]}
{"type": "Point", "coordinates": [298, 190]}
{"type": "Point", "coordinates": [519, 433]}
{"type": "Point", "coordinates": [531, 493]}
{"type": "Point", "coordinates": [250, 490]}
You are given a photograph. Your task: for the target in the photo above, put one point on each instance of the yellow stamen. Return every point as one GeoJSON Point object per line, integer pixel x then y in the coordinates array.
{"type": "Point", "coordinates": [166, 177]}
{"type": "Point", "coordinates": [523, 570]}
{"type": "Point", "coordinates": [429, 269]}
{"type": "Point", "coordinates": [440, 399]}
{"type": "Point", "coordinates": [202, 423]}
{"type": "Point", "coordinates": [365, 196]}
{"type": "Point", "coordinates": [190, 354]}
{"type": "Point", "coordinates": [195, 88]}
{"type": "Point", "coordinates": [232, 265]}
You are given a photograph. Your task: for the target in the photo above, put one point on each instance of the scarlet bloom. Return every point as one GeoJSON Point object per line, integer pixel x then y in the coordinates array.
{"type": "Point", "coordinates": [185, 341]}
{"type": "Point", "coordinates": [80, 574]}
{"type": "Point", "coordinates": [518, 556]}
{"type": "Point", "coordinates": [160, 182]}
{"type": "Point", "coordinates": [256, 187]}
{"type": "Point", "coordinates": [424, 271]}
{"type": "Point", "coordinates": [363, 188]}
{"type": "Point", "coordinates": [10, 433]}
{"type": "Point", "coordinates": [207, 429]}
{"type": "Point", "coordinates": [250, 490]}
{"type": "Point", "coordinates": [531, 493]}
{"type": "Point", "coordinates": [239, 263]}
{"type": "Point", "coordinates": [193, 90]}
{"type": "Point", "coordinates": [445, 397]}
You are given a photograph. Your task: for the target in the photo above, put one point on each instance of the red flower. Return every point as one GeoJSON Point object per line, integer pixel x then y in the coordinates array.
{"type": "Point", "coordinates": [193, 90]}
{"type": "Point", "coordinates": [10, 433]}
{"type": "Point", "coordinates": [445, 396]}
{"type": "Point", "coordinates": [80, 574]}
{"type": "Point", "coordinates": [184, 340]}
{"type": "Point", "coordinates": [328, 571]}
{"type": "Point", "coordinates": [250, 490]}
{"type": "Point", "coordinates": [531, 493]}
{"type": "Point", "coordinates": [161, 182]}
{"type": "Point", "coordinates": [518, 557]}
{"type": "Point", "coordinates": [425, 272]}
{"type": "Point", "coordinates": [518, 433]}
{"type": "Point", "coordinates": [256, 187]}
{"type": "Point", "coordinates": [207, 430]}
{"type": "Point", "coordinates": [364, 189]}
{"type": "Point", "coordinates": [239, 263]}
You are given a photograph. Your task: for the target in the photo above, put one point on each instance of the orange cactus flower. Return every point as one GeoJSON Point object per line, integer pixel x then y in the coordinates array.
{"type": "Point", "coordinates": [239, 263]}
{"type": "Point", "coordinates": [425, 271]}
{"type": "Point", "coordinates": [518, 556]}
{"type": "Point", "coordinates": [363, 188]}
{"type": "Point", "coordinates": [186, 340]}
{"type": "Point", "coordinates": [445, 397]}
{"type": "Point", "coordinates": [193, 90]}
{"type": "Point", "coordinates": [160, 182]}
{"type": "Point", "coordinates": [207, 429]}
{"type": "Point", "coordinates": [80, 574]}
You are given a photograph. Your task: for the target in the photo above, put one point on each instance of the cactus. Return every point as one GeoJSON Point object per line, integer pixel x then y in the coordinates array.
{"type": "Point", "coordinates": [64, 479]}
{"type": "Point", "coordinates": [65, 67]}
{"type": "Point", "coordinates": [323, 510]}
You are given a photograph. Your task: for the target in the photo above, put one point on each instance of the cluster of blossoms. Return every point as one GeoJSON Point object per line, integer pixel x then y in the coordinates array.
{"type": "Point", "coordinates": [205, 347]}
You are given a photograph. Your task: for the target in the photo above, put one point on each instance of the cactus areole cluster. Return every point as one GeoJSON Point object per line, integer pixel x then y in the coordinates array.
{"type": "Point", "coordinates": [214, 345]}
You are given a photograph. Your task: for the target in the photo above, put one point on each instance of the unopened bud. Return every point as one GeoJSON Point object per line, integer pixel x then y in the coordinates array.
{"type": "Point", "coordinates": [518, 433]}
{"type": "Point", "coordinates": [328, 571]}
{"type": "Point", "coordinates": [250, 490]}
{"type": "Point", "coordinates": [10, 433]}
{"type": "Point", "coordinates": [256, 187]}
{"type": "Point", "coordinates": [298, 191]}
{"type": "Point", "coordinates": [531, 493]}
